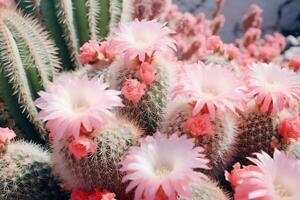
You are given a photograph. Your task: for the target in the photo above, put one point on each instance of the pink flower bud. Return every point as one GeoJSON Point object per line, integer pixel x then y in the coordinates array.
{"type": "Point", "coordinates": [290, 127]}
{"type": "Point", "coordinates": [199, 125]}
{"type": "Point", "coordinates": [6, 135]}
{"type": "Point", "coordinates": [81, 147]}
{"type": "Point", "coordinates": [147, 73]}
{"type": "Point", "coordinates": [133, 90]}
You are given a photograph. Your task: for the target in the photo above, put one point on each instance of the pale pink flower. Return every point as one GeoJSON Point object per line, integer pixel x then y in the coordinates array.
{"type": "Point", "coordinates": [6, 135]}
{"type": "Point", "coordinates": [7, 3]}
{"type": "Point", "coordinates": [235, 176]}
{"type": "Point", "coordinates": [212, 87]}
{"type": "Point", "coordinates": [278, 178]}
{"type": "Point", "coordinates": [143, 38]}
{"type": "Point", "coordinates": [147, 73]}
{"type": "Point", "coordinates": [72, 103]}
{"type": "Point", "coordinates": [214, 43]}
{"type": "Point", "coordinates": [200, 125]}
{"type": "Point", "coordinates": [81, 147]}
{"type": "Point", "coordinates": [89, 52]}
{"type": "Point", "coordinates": [163, 163]}
{"type": "Point", "coordinates": [133, 90]}
{"type": "Point", "coordinates": [294, 63]}
{"type": "Point", "coordinates": [290, 127]}
{"type": "Point", "coordinates": [273, 87]}
{"type": "Point", "coordinates": [231, 51]}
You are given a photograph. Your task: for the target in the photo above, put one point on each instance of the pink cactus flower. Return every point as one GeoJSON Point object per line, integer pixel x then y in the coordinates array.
{"type": "Point", "coordinates": [7, 3]}
{"type": "Point", "coordinates": [6, 135]}
{"type": "Point", "coordinates": [163, 165]}
{"type": "Point", "coordinates": [71, 103]}
{"type": "Point", "coordinates": [273, 87]}
{"type": "Point", "coordinates": [235, 176]}
{"type": "Point", "coordinates": [81, 147]}
{"type": "Point", "coordinates": [231, 51]}
{"type": "Point", "coordinates": [290, 127]}
{"type": "Point", "coordinates": [133, 90]}
{"type": "Point", "coordinates": [147, 73]}
{"type": "Point", "coordinates": [276, 178]}
{"type": "Point", "coordinates": [143, 38]}
{"type": "Point", "coordinates": [294, 63]}
{"type": "Point", "coordinates": [200, 125]}
{"type": "Point", "coordinates": [89, 52]}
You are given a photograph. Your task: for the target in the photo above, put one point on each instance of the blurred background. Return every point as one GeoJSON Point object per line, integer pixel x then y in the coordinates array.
{"type": "Point", "coordinates": [278, 15]}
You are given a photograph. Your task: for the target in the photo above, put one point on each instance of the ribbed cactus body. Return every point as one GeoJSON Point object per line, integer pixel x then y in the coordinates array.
{"type": "Point", "coordinates": [207, 190]}
{"type": "Point", "coordinates": [151, 108]}
{"type": "Point", "coordinates": [77, 21]}
{"type": "Point", "coordinates": [99, 169]}
{"type": "Point", "coordinates": [28, 63]}
{"type": "Point", "coordinates": [26, 174]}
{"type": "Point", "coordinates": [219, 148]}
{"type": "Point", "coordinates": [258, 132]}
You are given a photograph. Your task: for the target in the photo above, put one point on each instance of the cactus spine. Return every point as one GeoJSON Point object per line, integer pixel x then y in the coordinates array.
{"type": "Point", "coordinates": [207, 190]}
{"type": "Point", "coordinates": [26, 174]}
{"type": "Point", "coordinates": [219, 148]}
{"type": "Point", "coordinates": [99, 169]}
{"type": "Point", "coordinates": [28, 63]}
{"type": "Point", "coordinates": [78, 21]}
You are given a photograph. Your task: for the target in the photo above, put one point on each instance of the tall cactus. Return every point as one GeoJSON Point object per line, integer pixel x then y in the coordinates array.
{"type": "Point", "coordinates": [78, 21]}
{"type": "Point", "coordinates": [28, 62]}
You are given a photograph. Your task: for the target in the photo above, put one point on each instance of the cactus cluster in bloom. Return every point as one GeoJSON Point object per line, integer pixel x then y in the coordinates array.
{"type": "Point", "coordinates": [155, 108]}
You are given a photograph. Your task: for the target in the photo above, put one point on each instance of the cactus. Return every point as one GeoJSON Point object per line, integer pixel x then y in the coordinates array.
{"type": "Point", "coordinates": [77, 21]}
{"type": "Point", "coordinates": [28, 63]}
{"type": "Point", "coordinates": [207, 190]}
{"type": "Point", "coordinates": [294, 149]}
{"type": "Point", "coordinates": [219, 148]}
{"type": "Point", "coordinates": [150, 109]}
{"type": "Point", "coordinates": [258, 132]}
{"type": "Point", "coordinates": [99, 169]}
{"type": "Point", "coordinates": [26, 173]}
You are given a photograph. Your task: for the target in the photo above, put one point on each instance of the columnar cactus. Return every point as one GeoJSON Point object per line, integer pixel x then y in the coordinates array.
{"type": "Point", "coordinates": [77, 21]}
{"type": "Point", "coordinates": [219, 147]}
{"type": "Point", "coordinates": [26, 173]}
{"type": "Point", "coordinates": [207, 190]}
{"type": "Point", "coordinates": [28, 62]}
{"type": "Point", "coordinates": [99, 169]}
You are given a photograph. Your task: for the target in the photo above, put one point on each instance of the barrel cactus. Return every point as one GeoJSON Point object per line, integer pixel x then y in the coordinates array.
{"type": "Point", "coordinates": [98, 169]}
{"type": "Point", "coordinates": [28, 62]}
{"type": "Point", "coordinates": [26, 173]}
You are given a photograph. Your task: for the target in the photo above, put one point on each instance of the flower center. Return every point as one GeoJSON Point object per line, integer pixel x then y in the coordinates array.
{"type": "Point", "coordinates": [80, 105]}
{"type": "Point", "coordinates": [210, 92]}
{"type": "Point", "coordinates": [281, 190]}
{"type": "Point", "coordinates": [163, 169]}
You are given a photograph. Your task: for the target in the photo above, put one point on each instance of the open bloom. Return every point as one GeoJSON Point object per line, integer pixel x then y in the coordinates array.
{"type": "Point", "coordinates": [141, 38]}
{"type": "Point", "coordinates": [6, 134]}
{"type": "Point", "coordinates": [276, 178]}
{"type": "Point", "coordinates": [133, 90]}
{"type": "Point", "coordinates": [71, 104]}
{"type": "Point", "coordinates": [290, 127]}
{"type": "Point", "coordinates": [81, 146]}
{"type": "Point", "coordinates": [212, 87]}
{"type": "Point", "coordinates": [200, 125]}
{"type": "Point", "coordinates": [163, 163]}
{"type": "Point", "coordinates": [273, 87]}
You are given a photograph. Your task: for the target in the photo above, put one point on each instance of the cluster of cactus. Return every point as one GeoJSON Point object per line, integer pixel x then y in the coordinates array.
{"type": "Point", "coordinates": [26, 173]}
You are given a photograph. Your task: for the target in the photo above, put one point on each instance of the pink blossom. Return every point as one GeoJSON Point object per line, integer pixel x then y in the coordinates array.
{"type": "Point", "coordinates": [105, 55]}
{"type": "Point", "coordinates": [252, 35]}
{"type": "Point", "coordinates": [6, 135]}
{"type": "Point", "coordinates": [294, 63]}
{"type": "Point", "coordinates": [7, 3]}
{"type": "Point", "coordinates": [214, 43]}
{"type": "Point", "coordinates": [235, 176]}
{"type": "Point", "coordinates": [199, 125]}
{"type": "Point", "coordinates": [147, 73]}
{"type": "Point", "coordinates": [89, 51]}
{"type": "Point", "coordinates": [290, 127]}
{"type": "Point", "coordinates": [81, 147]}
{"type": "Point", "coordinates": [231, 51]}
{"type": "Point", "coordinates": [133, 90]}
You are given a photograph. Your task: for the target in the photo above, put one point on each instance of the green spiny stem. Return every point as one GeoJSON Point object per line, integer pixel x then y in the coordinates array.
{"type": "Point", "coordinates": [81, 15]}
